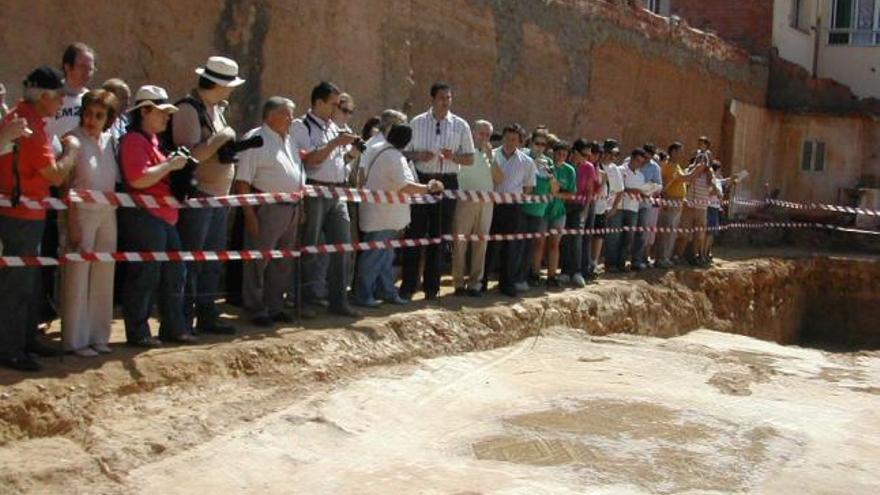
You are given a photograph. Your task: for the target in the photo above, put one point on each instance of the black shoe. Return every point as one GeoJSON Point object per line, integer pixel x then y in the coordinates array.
{"type": "Point", "coordinates": [461, 291]}
{"type": "Point", "coordinates": [430, 296]}
{"type": "Point", "coordinates": [146, 343]}
{"type": "Point", "coordinates": [307, 314]}
{"type": "Point", "coordinates": [262, 321]}
{"type": "Point", "coordinates": [42, 350]}
{"type": "Point", "coordinates": [345, 311]}
{"type": "Point", "coordinates": [218, 328]}
{"type": "Point", "coordinates": [509, 291]}
{"type": "Point", "coordinates": [474, 293]}
{"type": "Point", "coordinates": [22, 363]}
{"type": "Point", "coordinates": [282, 317]}
{"type": "Point", "coordinates": [553, 283]}
{"type": "Point", "coordinates": [183, 338]}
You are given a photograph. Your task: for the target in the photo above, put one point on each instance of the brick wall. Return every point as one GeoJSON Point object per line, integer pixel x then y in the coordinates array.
{"type": "Point", "coordinates": [748, 23]}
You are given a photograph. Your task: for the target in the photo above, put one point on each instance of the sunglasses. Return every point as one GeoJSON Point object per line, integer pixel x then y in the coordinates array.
{"type": "Point", "coordinates": [438, 128]}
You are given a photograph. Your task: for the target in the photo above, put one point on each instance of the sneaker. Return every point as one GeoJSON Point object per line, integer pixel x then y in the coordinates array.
{"type": "Point", "coordinates": [86, 352]}
{"type": "Point", "coordinates": [397, 300]}
{"type": "Point", "coordinates": [521, 286]}
{"type": "Point", "coordinates": [578, 280]}
{"type": "Point", "coordinates": [102, 348]}
{"type": "Point", "coordinates": [563, 279]}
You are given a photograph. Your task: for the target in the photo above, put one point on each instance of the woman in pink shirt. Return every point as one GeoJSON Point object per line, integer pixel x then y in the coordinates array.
{"type": "Point", "coordinates": [145, 170]}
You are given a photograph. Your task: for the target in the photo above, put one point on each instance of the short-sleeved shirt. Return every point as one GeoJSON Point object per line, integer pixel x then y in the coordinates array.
{"type": "Point", "coordinates": [519, 171]}
{"type": "Point", "coordinates": [374, 144]}
{"type": "Point", "coordinates": [430, 134]}
{"type": "Point", "coordinates": [274, 167]}
{"type": "Point", "coordinates": [611, 187]}
{"type": "Point", "coordinates": [566, 176]}
{"type": "Point", "coordinates": [543, 171]}
{"type": "Point", "coordinates": [96, 168]}
{"type": "Point", "coordinates": [653, 175]}
{"type": "Point", "coordinates": [632, 179]}
{"type": "Point", "coordinates": [390, 172]}
{"type": "Point", "coordinates": [35, 154]}
{"type": "Point", "coordinates": [309, 133]}
{"type": "Point", "coordinates": [67, 117]}
{"type": "Point", "coordinates": [715, 200]}
{"type": "Point", "coordinates": [676, 187]}
{"type": "Point", "coordinates": [586, 174]}
{"type": "Point", "coordinates": [477, 177]}
{"type": "Point", "coordinates": [138, 152]}
{"type": "Point", "coordinates": [698, 191]}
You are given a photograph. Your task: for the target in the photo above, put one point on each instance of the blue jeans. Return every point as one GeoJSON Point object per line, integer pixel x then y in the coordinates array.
{"type": "Point", "coordinates": [328, 217]}
{"type": "Point", "coordinates": [202, 229]}
{"type": "Point", "coordinates": [145, 232]}
{"type": "Point", "coordinates": [639, 252]}
{"type": "Point", "coordinates": [375, 274]}
{"type": "Point", "coordinates": [18, 285]}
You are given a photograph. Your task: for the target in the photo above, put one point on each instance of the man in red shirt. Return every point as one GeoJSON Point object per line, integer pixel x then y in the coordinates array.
{"type": "Point", "coordinates": [27, 169]}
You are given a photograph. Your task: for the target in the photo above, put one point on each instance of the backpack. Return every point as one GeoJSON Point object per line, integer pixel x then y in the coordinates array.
{"type": "Point", "coordinates": [183, 182]}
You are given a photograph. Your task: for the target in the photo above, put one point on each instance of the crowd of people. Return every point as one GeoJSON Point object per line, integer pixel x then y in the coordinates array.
{"type": "Point", "coordinates": [64, 135]}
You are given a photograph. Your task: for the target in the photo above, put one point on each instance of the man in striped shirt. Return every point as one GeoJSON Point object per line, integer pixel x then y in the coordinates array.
{"type": "Point", "coordinates": [441, 143]}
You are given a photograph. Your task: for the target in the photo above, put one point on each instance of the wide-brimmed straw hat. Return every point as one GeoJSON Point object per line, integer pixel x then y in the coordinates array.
{"type": "Point", "coordinates": [152, 96]}
{"type": "Point", "coordinates": [221, 70]}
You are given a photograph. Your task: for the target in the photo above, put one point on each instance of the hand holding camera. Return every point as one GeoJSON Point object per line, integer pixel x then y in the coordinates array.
{"type": "Point", "coordinates": [228, 153]}
{"type": "Point", "coordinates": [435, 186]}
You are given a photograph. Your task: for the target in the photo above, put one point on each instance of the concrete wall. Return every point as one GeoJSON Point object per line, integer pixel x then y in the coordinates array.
{"type": "Point", "coordinates": [588, 67]}
{"type": "Point", "coordinates": [855, 66]}
{"type": "Point", "coordinates": [794, 45]}
{"type": "Point", "coordinates": [768, 144]}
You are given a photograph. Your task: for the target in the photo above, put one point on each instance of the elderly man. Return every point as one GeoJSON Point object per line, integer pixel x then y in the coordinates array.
{"type": "Point", "coordinates": [324, 146]}
{"type": "Point", "coordinates": [441, 144]}
{"type": "Point", "coordinates": [474, 217]}
{"type": "Point", "coordinates": [520, 174]}
{"type": "Point", "coordinates": [28, 168]}
{"type": "Point", "coordinates": [273, 168]}
{"type": "Point", "coordinates": [201, 126]}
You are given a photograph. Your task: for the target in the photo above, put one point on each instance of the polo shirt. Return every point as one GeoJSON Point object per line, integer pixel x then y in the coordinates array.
{"type": "Point", "coordinates": [309, 133]}
{"type": "Point", "coordinates": [477, 177]}
{"type": "Point", "coordinates": [390, 172]}
{"type": "Point", "coordinates": [519, 171]}
{"type": "Point", "coordinates": [653, 175]}
{"type": "Point", "coordinates": [274, 167]}
{"type": "Point", "coordinates": [566, 176]}
{"type": "Point", "coordinates": [543, 171]}
{"type": "Point", "coordinates": [35, 154]}
{"type": "Point", "coordinates": [676, 187]}
{"type": "Point", "coordinates": [430, 134]}
{"type": "Point", "coordinates": [139, 152]}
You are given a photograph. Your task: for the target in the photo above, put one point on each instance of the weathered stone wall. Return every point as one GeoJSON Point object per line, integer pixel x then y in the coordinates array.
{"type": "Point", "coordinates": [586, 67]}
{"type": "Point", "coordinates": [748, 23]}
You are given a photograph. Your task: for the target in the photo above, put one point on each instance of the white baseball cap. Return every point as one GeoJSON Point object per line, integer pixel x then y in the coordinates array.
{"type": "Point", "coordinates": [221, 70]}
{"type": "Point", "coordinates": [152, 96]}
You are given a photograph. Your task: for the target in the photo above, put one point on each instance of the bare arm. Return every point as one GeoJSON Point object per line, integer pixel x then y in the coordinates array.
{"type": "Point", "coordinates": [157, 172]}
{"type": "Point", "coordinates": [319, 155]}
{"type": "Point", "coordinates": [57, 173]}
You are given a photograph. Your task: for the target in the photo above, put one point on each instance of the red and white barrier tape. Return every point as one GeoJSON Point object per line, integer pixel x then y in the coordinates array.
{"type": "Point", "coordinates": [224, 256]}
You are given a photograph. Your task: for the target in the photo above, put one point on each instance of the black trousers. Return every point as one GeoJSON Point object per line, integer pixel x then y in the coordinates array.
{"type": "Point", "coordinates": [428, 221]}
{"type": "Point", "coordinates": [507, 255]}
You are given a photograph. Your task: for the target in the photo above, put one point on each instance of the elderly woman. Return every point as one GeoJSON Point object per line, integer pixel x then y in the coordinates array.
{"type": "Point", "coordinates": [87, 288]}
{"type": "Point", "coordinates": [145, 171]}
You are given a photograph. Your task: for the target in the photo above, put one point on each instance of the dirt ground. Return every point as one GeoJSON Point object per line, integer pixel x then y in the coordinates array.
{"type": "Point", "coordinates": [213, 415]}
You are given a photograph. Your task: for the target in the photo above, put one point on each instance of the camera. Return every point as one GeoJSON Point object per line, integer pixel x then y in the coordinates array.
{"type": "Point", "coordinates": [360, 145]}
{"type": "Point", "coordinates": [183, 182]}
{"type": "Point", "coordinates": [227, 153]}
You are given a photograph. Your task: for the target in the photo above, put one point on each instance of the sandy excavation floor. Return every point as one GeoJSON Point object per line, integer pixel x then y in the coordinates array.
{"type": "Point", "coordinates": [564, 413]}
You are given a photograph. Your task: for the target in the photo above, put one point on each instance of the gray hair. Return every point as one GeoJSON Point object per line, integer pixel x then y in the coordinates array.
{"type": "Point", "coordinates": [276, 102]}
{"type": "Point", "coordinates": [484, 123]}
{"type": "Point", "coordinates": [32, 95]}
{"type": "Point", "coordinates": [389, 118]}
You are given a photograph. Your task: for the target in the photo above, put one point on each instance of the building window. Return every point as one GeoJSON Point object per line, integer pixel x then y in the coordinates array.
{"type": "Point", "coordinates": [855, 22]}
{"type": "Point", "coordinates": [658, 6]}
{"type": "Point", "coordinates": [813, 156]}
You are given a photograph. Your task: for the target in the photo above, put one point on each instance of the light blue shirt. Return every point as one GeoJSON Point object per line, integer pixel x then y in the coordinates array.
{"type": "Point", "coordinates": [654, 175]}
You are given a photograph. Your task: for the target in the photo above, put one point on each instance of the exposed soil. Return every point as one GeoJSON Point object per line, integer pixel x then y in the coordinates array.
{"type": "Point", "coordinates": [84, 426]}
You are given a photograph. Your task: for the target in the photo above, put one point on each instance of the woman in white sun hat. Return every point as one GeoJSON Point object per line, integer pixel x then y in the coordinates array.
{"type": "Point", "coordinates": [145, 172]}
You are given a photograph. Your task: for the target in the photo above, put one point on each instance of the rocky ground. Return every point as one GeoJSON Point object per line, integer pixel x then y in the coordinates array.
{"type": "Point", "coordinates": [87, 426]}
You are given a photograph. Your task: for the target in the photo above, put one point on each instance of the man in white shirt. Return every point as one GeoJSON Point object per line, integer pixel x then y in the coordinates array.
{"type": "Point", "coordinates": [78, 63]}
{"type": "Point", "coordinates": [324, 147]}
{"type": "Point", "coordinates": [441, 143]}
{"type": "Point", "coordinates": [625, 211]}
{"type": "Point", "coordinates": [520, 176]}
{"type": "Point", "coordinates": [273, 168]}
{"type": "Point", "coordinates": [380, 222]}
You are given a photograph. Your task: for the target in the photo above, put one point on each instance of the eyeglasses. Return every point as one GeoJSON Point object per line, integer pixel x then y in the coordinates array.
{"type": "Point", "coordinates": [438, 127]}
